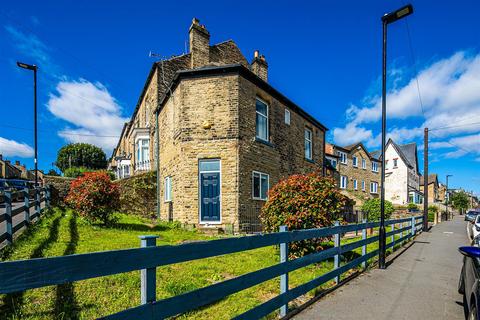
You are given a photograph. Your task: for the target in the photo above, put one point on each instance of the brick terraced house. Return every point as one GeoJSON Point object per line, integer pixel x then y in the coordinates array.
{"type": "Point", "coordinates": [225, 135]}
{"type": "Point", "coordinates": [358, 171]}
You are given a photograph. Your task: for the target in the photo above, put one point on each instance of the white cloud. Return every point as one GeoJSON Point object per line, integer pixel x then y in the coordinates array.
{"type": "Point", "coordinates": [11, 148]}
{"type": "Point", "coordinates": [91, 109]}
{"type": "Point", "coordinates": [451, 98]}
{"type": "Point", "coordinates": [31, 46]}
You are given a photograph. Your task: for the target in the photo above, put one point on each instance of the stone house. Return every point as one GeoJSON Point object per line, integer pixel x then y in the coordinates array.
{"type": "Point", "coordinates": [25, 174]}
{"type": "Point", "coordinates": [433, 188]}
{"type": "Point", "coordinates": [402, 177]}
{"type": "Point", "coordinates": [442, 192]}
{"type": "Point", "coordinates": [8, 170]}
{"type": "Point", "coordinates": [358, 171]}
{"type": "Point", "coordinates": [225, 135]}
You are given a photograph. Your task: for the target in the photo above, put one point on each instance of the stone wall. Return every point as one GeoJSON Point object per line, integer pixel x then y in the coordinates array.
{"type": "Point", "coordinates": [138, 194]}
{"type": "Point", "coordinates": [281, 156]}
{"type": "Point", "coordinates": [60, 186]}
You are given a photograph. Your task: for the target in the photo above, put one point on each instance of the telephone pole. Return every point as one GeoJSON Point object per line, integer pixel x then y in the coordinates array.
{"type": "Point", "coordinates": [425, 180]}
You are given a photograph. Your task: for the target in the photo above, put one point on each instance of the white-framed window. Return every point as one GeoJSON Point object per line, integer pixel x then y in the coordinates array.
{"type": "Point", "coordinates": [364, 163]}
{"type": "Point", "coordinates": [143, 150]}
{"type": "Point", "coordinates": [287, 116]}
{"type": "Point", "coordinates": [333, 162]}
{"type": "Point", "coordinates": [355, 161]}
{"type": "Point", "coordinates": [373, 187]}
{"type": "Point", "coordinates": [355, 184]}
{"type": "Point", "coordinates": [363, 185]}
{"type": "Point", "coordinates": [308, 144]}
{"type": "Point", "coordinates": [147, 115]}
{"type": "Point", "coordinates": [343, 182]}
{"type": "Point", "coordinates": [386, 165]}
{"type": "Point", "coordinates": [168, 189]}
{"type": "Point", "coordinates": [343, 157]}
{"type": "Point", "coordinates": [395, 163]}
{"type": "Point", "coordinates": [261, 120]}
{"type": "Point", "coordinates": [260, 185]}
{"type": "Point", "coordinates": [374, 166]}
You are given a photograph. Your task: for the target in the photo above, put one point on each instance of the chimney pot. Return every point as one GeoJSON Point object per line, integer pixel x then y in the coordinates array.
{"type": "Point", "coordinates": [256, 53]}
{"type": "Point", "coordinates": [17, 163]}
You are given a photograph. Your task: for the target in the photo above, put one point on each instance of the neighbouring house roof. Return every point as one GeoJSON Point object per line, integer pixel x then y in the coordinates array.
{"type": "Point", "coordinates": [432, 178]}
{"type": "Point", "coordinates": [119, 140]}
{"type": "Point", "coordinates": [353, 146]}
{"type": "Point", "coordinates": [408, 153]}
{"type": "Point", "coordinates": [247, 74]}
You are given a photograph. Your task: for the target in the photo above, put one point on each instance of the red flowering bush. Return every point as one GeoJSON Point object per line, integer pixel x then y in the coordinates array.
{"type": "Point", "coordinates": [303, 202]}
{"type": "Point", "coordinates": [94, 196]}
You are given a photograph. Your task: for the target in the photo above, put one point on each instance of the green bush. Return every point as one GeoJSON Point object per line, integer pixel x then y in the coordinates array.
{"type": "Point", "coordinates": [412, 206]}
{"type": "Point", "coordinates": [94, 197]}
{"type": "Point", "coordinates": [371, 207]}
{"type": "Point", "coordinates": [75, 172]}
{"type": "Point", "coordinates": [302, 202]}
{"type": "Point", "coordinates": [138, 194]}
{"type": "Point", "coordinates": [432, 211]}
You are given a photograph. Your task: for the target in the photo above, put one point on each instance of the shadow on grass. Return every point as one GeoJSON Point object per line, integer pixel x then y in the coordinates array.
{"type": "Point", "coordinates": [12, 302]}
{"type": "Point", "coordinates": [139, 227]}
{"type": "Point", "coordinates": [66, 306]}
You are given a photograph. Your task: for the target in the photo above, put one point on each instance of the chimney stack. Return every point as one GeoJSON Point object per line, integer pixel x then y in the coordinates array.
{"type": "Point", "coordinates": [259, 66]}
{"type": "Point", "coordinates": [199, 44]}
{"type": "Point", "coordinates": [1, 156]}
{"type": "Point", "coordinates": [17, 163]}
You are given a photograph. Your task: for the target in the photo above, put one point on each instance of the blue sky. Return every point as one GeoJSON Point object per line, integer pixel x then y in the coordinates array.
{"type": "Point", "coordinates": [325, 56]}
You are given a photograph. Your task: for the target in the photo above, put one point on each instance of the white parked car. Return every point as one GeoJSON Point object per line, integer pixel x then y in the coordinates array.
{"type": "Point", "coordinates": [473, 229]}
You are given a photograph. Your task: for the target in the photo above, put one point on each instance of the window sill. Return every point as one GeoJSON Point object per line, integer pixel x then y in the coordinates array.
{"type": "Point", "coordinates": [259, 199]}
{"type": "Point", "coordinates": [167, 201]}
{"type": "Point", "coordinates": [265, 142]}
{"type": "Point", "coordinates": [309, 160]}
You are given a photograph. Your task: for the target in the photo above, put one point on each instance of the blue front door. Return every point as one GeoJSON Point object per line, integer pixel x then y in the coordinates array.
{"type": "Point", "coordinates": [209, 190]}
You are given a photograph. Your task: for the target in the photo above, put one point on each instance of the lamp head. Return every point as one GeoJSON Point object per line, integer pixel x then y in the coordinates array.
{"type": "Point", "coordinates": [398, 14]}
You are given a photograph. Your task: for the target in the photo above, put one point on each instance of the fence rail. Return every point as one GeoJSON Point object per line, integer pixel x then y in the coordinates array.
{"type": "Point", "coordinates": [12, 209]}
{"type": "Point", "coordinates": [35, 273]}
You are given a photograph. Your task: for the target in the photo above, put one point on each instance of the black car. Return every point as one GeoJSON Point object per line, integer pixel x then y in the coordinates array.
{"type": "Point", "coordinates": [468, 284]}
{"type": "Point", "coordinates": [471, 215]}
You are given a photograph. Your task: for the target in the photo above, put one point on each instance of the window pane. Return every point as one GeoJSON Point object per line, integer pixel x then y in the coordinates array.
{"type": "Point", "coordinates": [262, 127]}
{"type": "Point", "coordinates": [264, 186]}
{"type": "Point", "coordinates": [308, 149]}
{"type": "Point", "coordinates": [287, 116]}
{"type": "Point", "coordinates": [261, 107]}
{"type": "Point", "coordinates": [256, 185]}
{"type": "Point", "coordinates": [209, 165]}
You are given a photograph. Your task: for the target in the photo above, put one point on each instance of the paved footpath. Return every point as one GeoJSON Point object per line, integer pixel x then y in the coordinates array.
{"type": "Point", "coordinates": [421, 283]}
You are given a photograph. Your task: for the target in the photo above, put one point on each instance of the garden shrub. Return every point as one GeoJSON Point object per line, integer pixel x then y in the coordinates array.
{"type": "Point", "coordinates": [432, 211]}
{"type": "Point", "coordinates": [412, 207]}
{"type": "Point", "coordinates": [371, 207]}
{"type": "Point", "coordinates": [302, 202]}
{"type": "Point", "coordinates": [75, 172]}
{"type": "Point", "coordinates": [94, 197]}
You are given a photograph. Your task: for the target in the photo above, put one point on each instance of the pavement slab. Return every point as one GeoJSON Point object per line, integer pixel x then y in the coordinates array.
{"type": "Point", "coordinates": [421, 283]}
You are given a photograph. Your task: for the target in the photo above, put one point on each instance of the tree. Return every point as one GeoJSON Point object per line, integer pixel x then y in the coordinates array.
{"type": "Point", "coordinates": [303, 202]}
{"type": "Point", "coordinates": [460, 200]}
{"type": "Point", "coordinates": [94, 196]}
{"type": "Point", "coordinates": [372, 208]}
{"type": "Point", "coordinates": [81, 155]}
{"type": "Point", "coordinates": [52, 172]}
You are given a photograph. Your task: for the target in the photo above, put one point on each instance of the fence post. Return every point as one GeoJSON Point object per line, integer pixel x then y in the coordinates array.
{"type": "Point", "coordinates": [283, 277]}
{"type": "Point", "coordinates": [413, 227]}
{"type": "Point", "coordinates": [364, 247]}
{"type": "Point", "coordinates": [47, 196]}
{"type": "Point", "coordinates": [392, 237]}
{"type": "Point", "coordinates": [148, 277]}
{"type": "Point", "coordinates": [26, 203]}
{"type": "Point", "coordinates": [336, 258]}
{"type": "Point", "coordinates": [37, 202]}
{"type": "Point", "coordinates": [8, 216]}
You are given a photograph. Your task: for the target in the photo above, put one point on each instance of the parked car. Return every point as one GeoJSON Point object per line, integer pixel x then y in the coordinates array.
{"type": "Point", "coordinates": [471, 214]}
{"type": "Point", "coordinates": [468, 284]}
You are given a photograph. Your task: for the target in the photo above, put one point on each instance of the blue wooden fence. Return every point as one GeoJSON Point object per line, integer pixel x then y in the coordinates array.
{"type": "Point", "coordinates": [17, 203]}
{"type": "Point", "coordinates": [35, 273]}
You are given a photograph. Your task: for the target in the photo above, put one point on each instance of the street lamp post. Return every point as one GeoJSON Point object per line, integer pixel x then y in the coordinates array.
{"type": "Point", "coordinates": [447, 197]}
{"type": "Point", "coordinates": [386, 20]}
{"type": "Point", "coordinates": [34, 69]}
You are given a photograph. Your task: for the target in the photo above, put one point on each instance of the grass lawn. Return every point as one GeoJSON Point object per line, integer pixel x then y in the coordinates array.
{"type": "Point", "coordinates": [62, 233]}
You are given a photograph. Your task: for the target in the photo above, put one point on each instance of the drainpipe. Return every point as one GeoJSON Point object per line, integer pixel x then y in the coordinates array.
{"type": "Point", "coordinates": [157, 151]}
